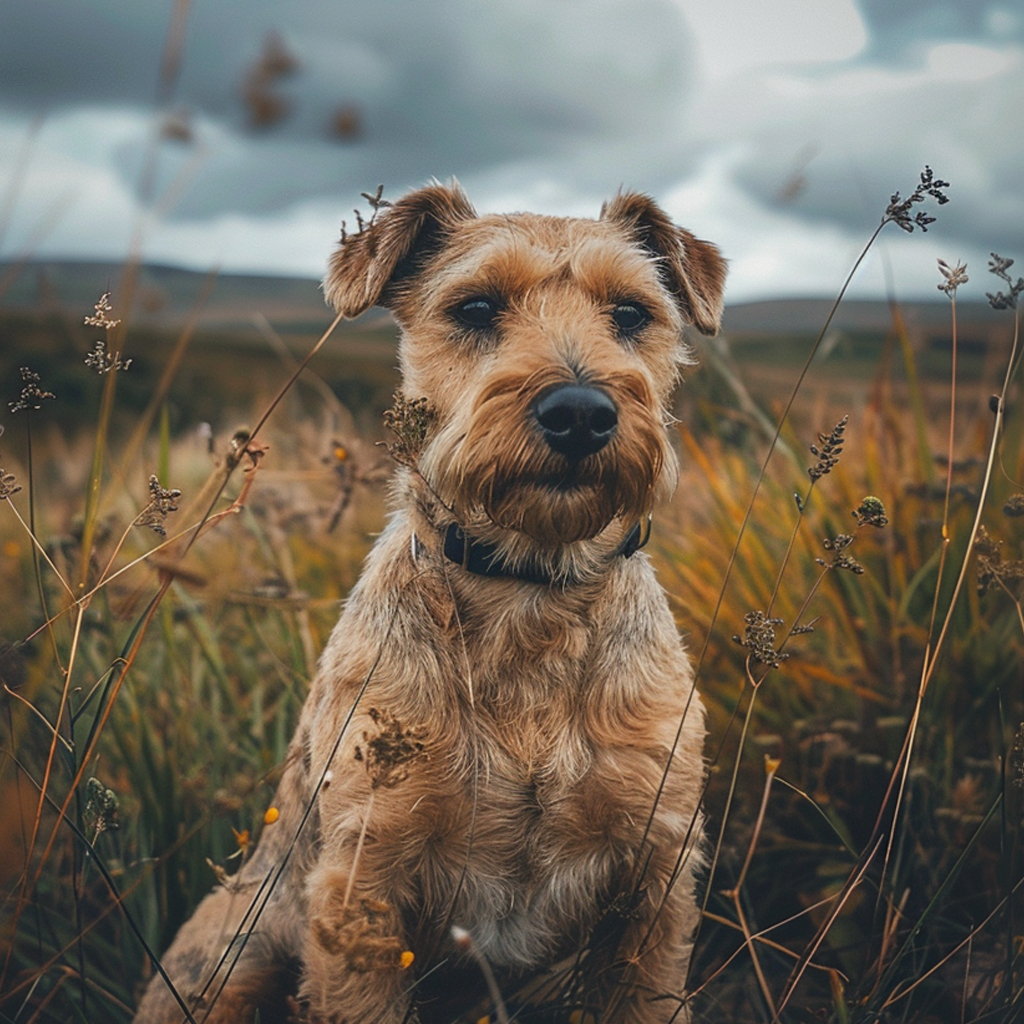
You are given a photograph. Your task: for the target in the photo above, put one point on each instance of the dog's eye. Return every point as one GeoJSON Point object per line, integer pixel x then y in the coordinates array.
{"type": "Point", "coordinates": [630, 317]}
{"type": "Point", "coordinates": [478, 312]}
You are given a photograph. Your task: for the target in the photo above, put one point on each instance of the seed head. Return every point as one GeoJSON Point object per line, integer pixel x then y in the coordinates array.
{"type": "Point", "coordinates": [390, 752]}
{"type": "Point", "coordinates": [993, 569]}
{"type": "Point", "coordinates": [410, 421]}
{"type": "Point", "coordinates": [32, 395]}
{"type": "Point", "coordinates": [102, 317]}
{"type": "Point", "coordinates": [9, 486]}
{"type": "Point", "coordinates": [101, 808]}
{"type": "Point", "coordinates": [161, 503]}
{"type": "Point", "coordinates": [102, 361]}
{"type": "Point", "coordinates": [840, 559]}
{"type": "Point", "coordinates": [898, 210]}
{"type": "Point", "coordinates": [377, 203]}
{"type": "Point", "coordinates": [759, 638]}
{"type": "Point", "coordinates": [953, 277]}
{"type": "Point", "coordinates": [829, 452]}
{"type": "Point", "coordinates": [999, 266]}
{"type": "Point", "coordinates": [1014, 506]}
{"type": "Point", "coordinates": [871, 512]}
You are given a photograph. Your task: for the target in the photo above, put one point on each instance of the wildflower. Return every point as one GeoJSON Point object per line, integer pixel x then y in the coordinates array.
{"type": "Point", "coordinates": [993, 569]}
{"type": "Point", "coordinates": [101, 808]}
{"type": "Point", "coordinates": [871, 512]}
{"type": "Point", "coordinates": [898, 210]}
{"type": "Point", "coordinates": [347, 122]}
{"type": "Point", "coordinates": [32, 395]}
{"type": "Point", "coordinates": [954, 277]}
{"type": "Point", "coordinates": [161, 503]}
{"type": "Point", "coordinates": [807, 627]}
{"type": "Point", "coordinates": [9, 486]}
{"type": "Point", "coordinates": [999, 266]}
{"type": "Point", "coordinates": [266, 107]}
{"type": "Point", "coordinates": [377, 203]}
{"type": "Point", "coordinates": [759, 639]}
{"type": "Point", "coordinates": [830, 450]}
{"type": "Point", "coordinates": [364, 934]}
{"type": "Point", "coordinates": [102, 361]}
{"type": "Point", "coordinates": [840, 559]}
{"type": "Point", "coordinates": [1014, 507]}
{"type": "Point", "coordinates": [177, 126]}
{"type": "Point", "coordinates": [409, 421]}
{"type": "Point", "coordinates": [102, 318]}
{"type": "Point", "coordinates": [390, 751]}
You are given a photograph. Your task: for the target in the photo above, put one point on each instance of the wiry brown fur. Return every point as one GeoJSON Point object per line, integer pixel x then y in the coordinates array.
{"type": "Point", "coordinates": [520, 759]}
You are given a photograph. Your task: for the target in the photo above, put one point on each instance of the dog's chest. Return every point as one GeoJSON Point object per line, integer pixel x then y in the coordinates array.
{"type": "Point", "coordinates": [527, 852]}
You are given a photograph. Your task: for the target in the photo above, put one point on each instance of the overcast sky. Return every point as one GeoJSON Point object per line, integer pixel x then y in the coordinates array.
{"type": "Point", "coordinates": [776, 129]}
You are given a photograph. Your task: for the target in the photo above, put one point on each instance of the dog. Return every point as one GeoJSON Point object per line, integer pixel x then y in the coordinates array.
{"type": "Point", "coordinates": [492, 799]}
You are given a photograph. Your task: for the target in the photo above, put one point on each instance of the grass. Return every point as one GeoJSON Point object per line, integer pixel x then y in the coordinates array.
{"type": "Point", "coordinates": [866, 745]}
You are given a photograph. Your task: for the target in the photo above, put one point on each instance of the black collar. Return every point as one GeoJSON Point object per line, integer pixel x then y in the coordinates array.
{"type": "Point", "coordinates": [482, 558]}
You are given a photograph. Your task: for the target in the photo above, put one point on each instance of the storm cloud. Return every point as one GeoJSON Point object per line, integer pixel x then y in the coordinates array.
{"type": "Point", "coordinates": [779, 130]}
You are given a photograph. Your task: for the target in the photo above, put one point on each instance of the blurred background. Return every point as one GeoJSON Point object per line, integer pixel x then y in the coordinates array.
{"type": "Point", "coordinates": [776, 130]}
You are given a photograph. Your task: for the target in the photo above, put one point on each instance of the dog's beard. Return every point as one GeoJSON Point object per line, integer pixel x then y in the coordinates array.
{"type": "Point", "coordinates": [520, 485]}
{"type": "Point", "coordinates": [553, 517]}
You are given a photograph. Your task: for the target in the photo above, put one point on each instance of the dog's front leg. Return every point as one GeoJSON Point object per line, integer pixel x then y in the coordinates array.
{"type": "Point", "coordinates": [355, 954]}
{"type": "Point", "coordinates": [635, 972]}
{"type": "Point", "coordinates": [238, 955]}
{"type": "Point", "coordinates": [655, 956]}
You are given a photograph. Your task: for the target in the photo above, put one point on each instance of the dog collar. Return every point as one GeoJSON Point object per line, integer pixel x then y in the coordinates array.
{"type": "Point", "coordinates": [482, 558]}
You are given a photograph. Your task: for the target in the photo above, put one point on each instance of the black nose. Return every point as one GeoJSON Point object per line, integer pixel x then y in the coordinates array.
{"type": "Point", "coordinates": [576, 419]}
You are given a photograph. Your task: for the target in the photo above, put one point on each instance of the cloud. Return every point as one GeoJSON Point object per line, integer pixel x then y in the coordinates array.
{"type": "Point", "coordinates": [896, 30]}
{"type": "Point", "coordinates": [828, 148]}
{"type": "Point", "coordinates": [750, 33]}
{"type": "Point", "coordinates": [773, 254]}
{"type": "Point", "coordinates": [450, 87]}
{"type": "Point", "coordinates": [779, 130]}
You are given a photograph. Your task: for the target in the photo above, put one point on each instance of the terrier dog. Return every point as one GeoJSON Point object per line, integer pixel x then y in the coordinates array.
{"type": "Point", "coordinates": [493, 795]}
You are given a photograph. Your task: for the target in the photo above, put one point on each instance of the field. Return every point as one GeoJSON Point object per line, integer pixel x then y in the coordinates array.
{"type": "Point", "coordinates": [858, 630]}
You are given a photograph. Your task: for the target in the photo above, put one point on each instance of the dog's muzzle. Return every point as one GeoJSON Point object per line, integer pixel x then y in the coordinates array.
{"type": "Point", "coordinates": [576, 420]}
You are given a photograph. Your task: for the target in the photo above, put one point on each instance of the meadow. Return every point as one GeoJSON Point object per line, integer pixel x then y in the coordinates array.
{"type": "Point", "coordinates": [182, 509]}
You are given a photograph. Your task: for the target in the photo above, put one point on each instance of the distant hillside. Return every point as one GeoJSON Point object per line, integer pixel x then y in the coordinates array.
{"type": "Point", "coordinates": [251, 329]}
{"type": "Point", "coordinates": [860, 316]}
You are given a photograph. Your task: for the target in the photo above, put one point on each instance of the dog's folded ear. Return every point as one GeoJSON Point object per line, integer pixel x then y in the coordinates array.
{"type": "Point", "coordinates": [693, 270]}
{"type": "Point", "coordinates": [391, 248]}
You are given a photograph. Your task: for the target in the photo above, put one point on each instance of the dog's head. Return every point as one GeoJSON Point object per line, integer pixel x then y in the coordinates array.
{"type": "Point", "coordinates": [547, 347]}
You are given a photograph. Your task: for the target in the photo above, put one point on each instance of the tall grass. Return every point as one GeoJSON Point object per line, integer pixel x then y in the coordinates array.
{"type": "Point", "coordinates": [864, 683]}
{"type": "Point", "coordinates": [881, 879]}
{"type": "Point", "coordinates": [151, 690]}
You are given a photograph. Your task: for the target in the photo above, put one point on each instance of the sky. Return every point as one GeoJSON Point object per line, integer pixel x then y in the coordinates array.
{"type": "Point", "coordinates": [777, 130]}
